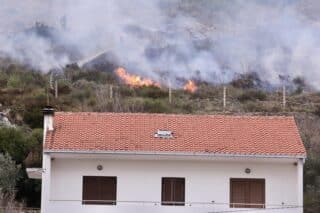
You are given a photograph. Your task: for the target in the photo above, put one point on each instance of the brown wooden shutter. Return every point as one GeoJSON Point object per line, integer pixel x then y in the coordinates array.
{"type": "Point", "coordinates": [108, 189]}
{"type": "Point", "coordinates": [257, 193]}
{"type": "Point", "coordinates": [173, 191]}
{"type": "Point", "coordinates": [247, 193]}
{"type": "Point", "coordinates": [238, 193]}
{"type": "Point", "coordinates": [99, 190]}
{"type": "Point", "coordinates": [90, 186]}
{"type": "Point", "coordinates": [166, 191]}
{"type": "Point", "coordinates": [179, 193]}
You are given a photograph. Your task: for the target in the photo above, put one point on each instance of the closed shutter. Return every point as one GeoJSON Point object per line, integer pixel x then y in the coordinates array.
{"type": "Point", "coordinates": [247, 193]}
{"type": "Point", "coordinates": [90, 190]}
{"type": "Point", "coordinates": [257, 193]}
{"type": "Point", "coordinates": [109, 190]}
{"type": "Point", "coordinates": [166, 191]}
{"type": "Point", "coordinates": [238, 193]}
{"type": "Point", "coordinates": [173, 191]}
{"type": "Point", "coordinates": [99, 190]}
{"type": "Point", "coordinates": [179, 187]}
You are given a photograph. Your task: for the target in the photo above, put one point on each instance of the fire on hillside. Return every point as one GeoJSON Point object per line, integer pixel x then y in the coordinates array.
{"type": "Point", "coordinates": [190, 86]}
{"type": "Point", "coordinates": [134, 80]}
{"type": "Point", "coordinates": [138, 81]}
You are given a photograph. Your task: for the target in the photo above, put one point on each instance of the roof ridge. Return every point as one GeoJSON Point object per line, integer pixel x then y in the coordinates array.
{"type": "Point", "coordinates": [177, 115]}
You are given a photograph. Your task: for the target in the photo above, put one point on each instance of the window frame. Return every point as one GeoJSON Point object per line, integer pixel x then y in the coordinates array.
{"type": "Point", "coordinates": [99, 186]}
{"type": "Point", "coordinates": [259, 180]}
{"type": "Point", "coordinates": [172, 202]}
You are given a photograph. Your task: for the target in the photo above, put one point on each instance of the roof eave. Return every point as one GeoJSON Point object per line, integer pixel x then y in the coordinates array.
{"type": "Point", "coordinates": [150, 153]}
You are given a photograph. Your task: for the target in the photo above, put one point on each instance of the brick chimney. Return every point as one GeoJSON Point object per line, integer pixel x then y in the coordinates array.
{"type": "Point", "coordinates": [48, 114]}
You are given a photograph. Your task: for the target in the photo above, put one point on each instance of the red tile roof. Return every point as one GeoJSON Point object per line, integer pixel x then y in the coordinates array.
{"type": "Point", "coordinates": [219, 134]}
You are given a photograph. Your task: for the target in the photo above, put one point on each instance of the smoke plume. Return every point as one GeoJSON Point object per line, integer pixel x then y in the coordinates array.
{"type": "Point", "coordinates": [165, 40]}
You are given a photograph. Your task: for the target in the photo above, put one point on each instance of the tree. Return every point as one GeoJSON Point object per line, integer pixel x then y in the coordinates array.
{"type": "Point", "coordinates": [309, 127]}
{"type": "Point", "coordinates": [15, 142]}
{"type": "Point", "coordinates": [34, 158]}
{"type": "Point", "coordinates": [18, 143]}
{"type": "Point", "coordinates": [9, 174]}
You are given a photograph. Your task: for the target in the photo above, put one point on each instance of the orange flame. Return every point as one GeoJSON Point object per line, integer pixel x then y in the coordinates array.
{"type": "Point", "coordinates": [190, 86]}
{"type": "Point", "coordinates": [134, 80]}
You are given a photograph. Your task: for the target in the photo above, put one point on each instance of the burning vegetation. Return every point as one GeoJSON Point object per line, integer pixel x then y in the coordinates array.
{"type": "Point", "coordinates": [138, 81]}
{"type": "Point", "coordinates": [134, 80]}
{"type": "Point", "coordinates": [190, 86]}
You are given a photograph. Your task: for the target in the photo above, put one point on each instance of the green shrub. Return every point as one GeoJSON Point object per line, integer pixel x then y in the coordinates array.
{"type": "Point", "coordinates": [252, 95]}
{"type": "Point", "coordinates": [188, 108]}
{"type": "Point", "coordinates": [135, 104]}
{"type": "Point", "coordinates": [125, 91]}
{"type": "Point", "coordinates": [33, 117]}
{"type": "Point", "coordinates": [317, 110]}
{"type": "Point", "coordinates": [64, 87]}
{"type": "Point", "coordinates": [32, 108]}
{"type": "Point", "coordinates": [3, 79]}
{"type": "Point", "coordinates": [14, 81]}
{"type": "Point", "coordinates": [81, 95]}
{"type": "Point", "coordinates": [207, 91]}
{"type": "Point", "coordinates": [97, 76]}
{"type": "Point", "coordinates": [156, 106]}
{"type": "Point", "coordinates": [251, 106]}
{"type": "Point", "coordinates": [151, 92]}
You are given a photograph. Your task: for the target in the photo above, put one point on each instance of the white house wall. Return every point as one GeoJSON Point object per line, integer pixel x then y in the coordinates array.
{"type": "Point", "coordinates": [139, 184]}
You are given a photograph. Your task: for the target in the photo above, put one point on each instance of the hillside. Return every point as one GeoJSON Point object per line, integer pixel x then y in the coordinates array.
{"type": "Point", "coordinates": [24, 92]}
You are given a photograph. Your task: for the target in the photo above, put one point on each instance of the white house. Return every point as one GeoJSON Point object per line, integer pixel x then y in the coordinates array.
{"type": "Point", "coordinates": [131, 162]}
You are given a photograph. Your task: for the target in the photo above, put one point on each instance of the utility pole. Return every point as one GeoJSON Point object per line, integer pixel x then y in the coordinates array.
{"type": "Point", "coordinates": [56, 89]}
{"type": "Point", "coordinates": [111, 91]}
{"type": "Point", "coordinates": [224, 97]}
{"type": "Point", "coordinates": [284, 79]}
{"type": "Point", "coordinates": [47, 94]}
{"type": "Point", "coordinates": [51, 80]}
{"type": "Point", "coordinates": [170, 94]}
{"type": "Point", "coordinates": [284, 99]}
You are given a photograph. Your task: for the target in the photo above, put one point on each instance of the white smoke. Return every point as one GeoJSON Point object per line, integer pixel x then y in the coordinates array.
{"type": "Point", "coordinates": [170, 39]}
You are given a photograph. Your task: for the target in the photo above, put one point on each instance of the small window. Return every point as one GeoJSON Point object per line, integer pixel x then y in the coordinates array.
{"type": "Point", "coordinates": [99, 190]}
{"type": "Point", "coordinates": [163, 134]}
{"type": "Point", "coordinates": [247, 193]}
{"type": "Point", "coordinates": [173, 191]}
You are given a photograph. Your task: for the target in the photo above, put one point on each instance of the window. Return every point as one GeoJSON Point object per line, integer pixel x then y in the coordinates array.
{"type": "Point", "coordinates": [173, 190]}
{"type": "Point", "coordinates": [99, 190]}
{"type": "Point", "coordinates": [164, 134]}
{"type": "Point", "coordinates": [247, 193]}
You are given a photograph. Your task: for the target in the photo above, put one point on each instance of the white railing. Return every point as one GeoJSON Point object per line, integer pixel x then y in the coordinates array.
{"type": "Point", "coordinates": [160, 207]}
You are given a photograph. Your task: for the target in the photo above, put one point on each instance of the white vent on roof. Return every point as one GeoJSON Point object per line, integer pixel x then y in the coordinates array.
{"type": "Point", "coordinates": [163, 134]}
